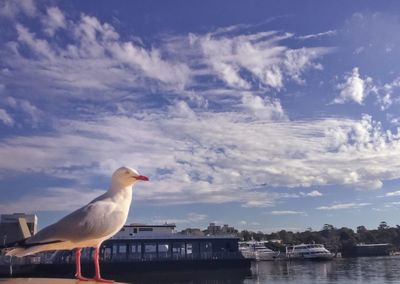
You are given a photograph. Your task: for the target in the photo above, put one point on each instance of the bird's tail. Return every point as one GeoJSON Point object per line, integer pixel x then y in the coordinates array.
{"type": "Point", "coordinates": [22, 248]}
{"type": "Point", "coordinates": [21, 251]}
{"type": "Point", "coordinates": [14, 248]}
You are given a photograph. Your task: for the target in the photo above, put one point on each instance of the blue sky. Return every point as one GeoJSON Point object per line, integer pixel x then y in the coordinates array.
{"type": "Point", "coordinates": [265, 115]}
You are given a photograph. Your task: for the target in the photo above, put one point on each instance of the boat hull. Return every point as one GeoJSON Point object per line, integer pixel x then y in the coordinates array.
{"type": "Point", "coordinates": [326, 257]}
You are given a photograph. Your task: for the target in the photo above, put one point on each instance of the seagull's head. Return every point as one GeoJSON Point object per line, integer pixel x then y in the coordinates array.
{"type": "Point", "coordinates": [127, 176]}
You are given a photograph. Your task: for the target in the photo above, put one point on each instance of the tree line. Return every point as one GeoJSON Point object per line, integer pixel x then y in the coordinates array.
{"type": "Point", "coordinates": [334, 239]}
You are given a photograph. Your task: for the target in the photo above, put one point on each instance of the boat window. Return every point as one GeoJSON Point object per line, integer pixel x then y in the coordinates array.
{"type": "Point", "coordinates": [107, 253]}
{"type": "Point", "coordinates": [136, 248]}
{"type": "Point", "coordinates": [178, 249]}
{"type": "Point", "coordinates": [205, 247]}
{"type": "Point", "coordinates": [189, 248]}
{"type": "Point", "coordinates": [145, 229]}
{"type": "Point", "coordinates": [163, 250]}
{"type": "Point", "coordinates": [163, 247]}
{"type": "Point", "coordinates": [122, 248]}
{"type": "Point", "coordinates": [150, 248]}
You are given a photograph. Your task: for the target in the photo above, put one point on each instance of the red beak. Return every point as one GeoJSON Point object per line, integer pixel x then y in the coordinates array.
{"type": "Point", "coordinates": [144, 178]}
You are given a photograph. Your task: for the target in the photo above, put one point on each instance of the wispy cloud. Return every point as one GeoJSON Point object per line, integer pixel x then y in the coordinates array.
{"type": "Point", "coordinates": [342, 206]}
{"type": "Point", "coordinates": [53, 199]}
{"type": "Point", "coordinates": [194, 162]}
{"type": "Point", "coordinates": [318, 35]}
{"type": "Point", "coordinates": [190, 218]}
{"type": "Point", "coordinates": [394, 193]}
{"type": "Point", "coordinates": [6, 118]}
{"type": "Point", "coordinates": [106, 62]}
{"type": "Point", "coordinates": [314, 193]}
{"type": "Point", "coordinates": [53, 20]}
{"type": "Point", "coordinates": [11, 8]}
{"type": "Point", "coordinates": [288, 212]}
{"type": "Point", "coordinates": [261, 54]}
{"type": "Point", "coordinates": [193, 111]}
{"type": "Point", "coordinates": [392, 204]}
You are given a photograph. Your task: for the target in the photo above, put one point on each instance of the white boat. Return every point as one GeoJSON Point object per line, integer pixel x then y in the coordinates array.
{"type": "Point", "coordinates": [308, 252]}
{"type": "Point", "coordinates": [257, 251]}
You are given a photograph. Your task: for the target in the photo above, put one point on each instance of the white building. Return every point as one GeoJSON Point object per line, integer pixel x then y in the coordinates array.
{"type": "Point", "coordinates": [140, 230]}
{"type": "Point", "coordinates": [17, 226]}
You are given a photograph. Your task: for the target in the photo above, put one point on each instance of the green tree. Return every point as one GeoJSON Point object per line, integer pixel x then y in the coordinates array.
{"type": "Point", "coordinates": [383, 226]}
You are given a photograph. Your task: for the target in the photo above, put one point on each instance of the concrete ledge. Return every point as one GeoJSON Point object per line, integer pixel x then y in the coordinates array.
{"type": "Point", "coordinates": [43, 281]}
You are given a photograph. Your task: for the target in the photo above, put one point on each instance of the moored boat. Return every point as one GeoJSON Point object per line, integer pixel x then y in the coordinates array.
{"type": "Point", "coordinates": [257, 251]}
{"type": "Point", "coordinates": [308, 252]}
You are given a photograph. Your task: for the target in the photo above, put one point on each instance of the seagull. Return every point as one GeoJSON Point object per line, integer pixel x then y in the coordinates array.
{"type": "Point", "coordinates": [88, 226]}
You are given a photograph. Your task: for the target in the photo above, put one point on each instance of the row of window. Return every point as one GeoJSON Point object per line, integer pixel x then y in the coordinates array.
{"type": "Point", "coordinates": [180, 248]}
{"type": "Point", "coordinates": [135, 230]}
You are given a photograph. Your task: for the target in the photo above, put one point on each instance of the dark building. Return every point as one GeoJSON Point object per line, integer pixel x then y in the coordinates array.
{"type": "Point", "coordinates": [366, 250]}
{"type": "Point", "coordinates": [17, 226]}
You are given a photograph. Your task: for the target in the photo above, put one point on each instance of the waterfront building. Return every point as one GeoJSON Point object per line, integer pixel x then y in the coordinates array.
{"type": "Point", "coordinates": [138, 248]}
{"type": "Point", "coordinates": [150, 242]}
{"type": "Point", "coordinates": [142, 230]}
{"type": "Point", "coordinates": [17, 226]}
{"type": "Point", "coordinates": [214, 229]}
{"type": "Point", "coordinates": [192, 232]}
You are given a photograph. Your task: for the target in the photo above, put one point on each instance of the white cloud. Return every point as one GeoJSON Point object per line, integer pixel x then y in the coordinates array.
{"type": "Point", "coordinates": [53, 20]}
{"type": "Point", "coordinates": [344, 206]}
{"type": "Point", "coordinates": [260, 54]}
{"type": "Point", "coordinates": [314, 193]}
{"type": "Point", "coordinates": [196, 154]}
{"type": "Point", "coordinates": [392, 204]}
{"type": "Point", "coordinates": [181, 109]}
{"type": "Point", "coordinates": [95, 60]}
{"type": "Point", "coordinates": [357, 88]}
{"type": "Point", "coordinates": [190, 218]}
{"type": "Point", "coordinates": [263, 108]}
{"type": "Point", "coordinates": [387, 95]}
{"type": "Point", "coordinates": [53, 199]}
{"type": "Point", "coordinates": [215, 158]}
{"type": "Point", "coordinates": [394, 193]}
{"type": "Point", "coordinates": [288, 212]}
{"type": "Point", "coordinates": [99, 63]}
{"type": "Point", "coordinates": [11, 8]}
{"type": "Point", "coordinates": [6, 118]}
{"type": "Point", "coordinates": [31, 113]}
{"type": "Point", "coordinates": [354, 88]}
{"type": "Point", "coordinates": [359, 49]}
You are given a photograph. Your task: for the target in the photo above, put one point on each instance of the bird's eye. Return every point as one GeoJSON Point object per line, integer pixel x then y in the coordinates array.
{"type": "Point", "coordinates": [127, 172]}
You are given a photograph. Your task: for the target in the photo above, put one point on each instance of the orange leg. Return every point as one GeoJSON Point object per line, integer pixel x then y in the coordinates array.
{"type": "Point", "coordinates": [78, 274]}
{"type": "Point", "coordinates": [97, 277]}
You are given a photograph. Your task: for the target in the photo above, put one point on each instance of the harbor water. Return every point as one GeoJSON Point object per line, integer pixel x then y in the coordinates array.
{"type": "Point", "coordinates": [341, 271]}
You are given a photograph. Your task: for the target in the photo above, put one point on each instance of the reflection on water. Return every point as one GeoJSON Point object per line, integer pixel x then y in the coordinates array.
{"type": "Point", "coordinates": [236, 276]}
{"type": "Point", "coordinates": [342, 271]}
{"type": "Point", "coordinates": [350, 270]}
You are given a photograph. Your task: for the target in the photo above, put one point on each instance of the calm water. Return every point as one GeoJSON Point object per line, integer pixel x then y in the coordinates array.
{"type": "Point", "coordinates": [346, 270]}
{"type": "Point", "coordinates": [342, 271]}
